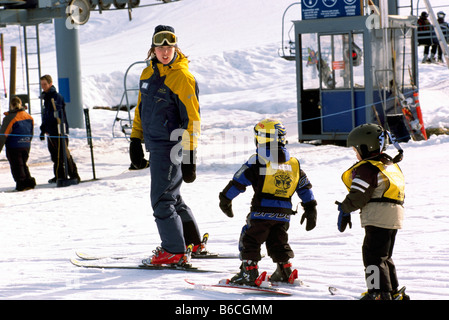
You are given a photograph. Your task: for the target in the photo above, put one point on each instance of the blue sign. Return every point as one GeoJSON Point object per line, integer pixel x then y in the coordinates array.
{"type": "Point", "coordinates": [319, 9]}
{"type": "Point", "coordinates": [64, 88]}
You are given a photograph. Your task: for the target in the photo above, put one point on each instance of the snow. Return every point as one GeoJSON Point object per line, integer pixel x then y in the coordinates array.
{"type": "Point", "coordinates": [233, 55]}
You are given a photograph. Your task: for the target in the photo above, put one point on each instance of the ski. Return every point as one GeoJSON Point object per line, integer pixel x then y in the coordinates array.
{"type": "Point", "coordinates": [202, 254]}
{"type": "Point", "coordinates": [136, 266]}
{"type": "Point", "coordinates": [334, 291]}
{"type": "Point", "coordinates": [226, 284]}
{"type": "Point", "coordinates": [399, 295]}
{"type": "Point", "coordinates": [206, 255]}
{"type": "Point", "coordinates": [86, 256]}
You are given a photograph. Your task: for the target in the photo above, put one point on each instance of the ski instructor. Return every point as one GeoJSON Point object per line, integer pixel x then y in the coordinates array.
{"type": "Point", "coordinates": [167, 119]}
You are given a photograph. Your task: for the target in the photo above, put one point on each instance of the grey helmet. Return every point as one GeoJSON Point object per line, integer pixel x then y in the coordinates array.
{"type": "Point", "coordinates": [368, 139]}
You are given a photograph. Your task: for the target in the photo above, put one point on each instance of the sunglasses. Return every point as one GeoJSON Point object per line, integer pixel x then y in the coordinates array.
{"type": "Point", "coordinates": [165, 36]}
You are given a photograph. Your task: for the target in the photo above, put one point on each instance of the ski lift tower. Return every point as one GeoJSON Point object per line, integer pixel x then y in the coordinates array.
{"type": "Point", "coordinates": [67, 15]}
{"type": "Point", "coordinates": [353, 62]}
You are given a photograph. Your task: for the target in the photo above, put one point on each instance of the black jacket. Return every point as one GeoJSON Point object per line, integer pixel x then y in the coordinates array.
{"type": "Point", "coordinates": [49, 122]}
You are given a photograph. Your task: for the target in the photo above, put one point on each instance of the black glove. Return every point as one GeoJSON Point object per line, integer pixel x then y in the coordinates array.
{"type": "Point", "coordinates": [136, 154]}
{"type": "Point", "coordinates": [309, 214]}
{"type": "Point", "coordinates": [188, 166]}
{"type": "Point", "coordinates": [226, 205]}
{"type": "Point", "coordinates": [344, 219]}
{"type": "Point", "coordinates": [42, 136]}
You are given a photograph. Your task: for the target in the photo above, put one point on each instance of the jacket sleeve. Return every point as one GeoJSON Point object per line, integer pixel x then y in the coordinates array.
{"type": "Point", "coordinates": [243, 178]}
{"type": "Point", "coordinates": [362, 188]}
{"type": "Point", "coordinates": [189, 109]}
{"type": "Point", "coordinates": [5, 130]}
{"type": "Point", "coordinates": [137, 131]}
{"type": "Point", "coordinates": [304, 188]}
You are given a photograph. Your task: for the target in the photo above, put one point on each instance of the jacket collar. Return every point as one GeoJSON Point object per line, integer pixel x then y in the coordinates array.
{"type": "Point", "coordinates": [179, 62]}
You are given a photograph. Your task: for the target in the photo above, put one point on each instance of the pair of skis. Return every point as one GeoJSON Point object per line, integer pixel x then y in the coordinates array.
{"type": "Point", "coordinates": [123, 262]}
{"type": "Point", "coordinates": [262, 285]}
{"type": "Point", "coordinates": [85, 260]}
{"type": "Point", "coordinates": [113, 261]}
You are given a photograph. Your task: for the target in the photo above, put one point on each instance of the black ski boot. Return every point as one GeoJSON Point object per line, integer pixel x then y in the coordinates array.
{"type": "Point", "coordinates": [399, 294]}
{"type": "Point", "coordinates": [376, 295]}
{"type": "Point", "coordinates": [248, 274]}
{"type": "Point", "coordinates": [282, 273]}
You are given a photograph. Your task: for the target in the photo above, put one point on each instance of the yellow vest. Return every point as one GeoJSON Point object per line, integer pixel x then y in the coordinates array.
{"type": "Point", "coordinates": [281, 179]}
{"type": "Point", "coordinates": [392, 175]}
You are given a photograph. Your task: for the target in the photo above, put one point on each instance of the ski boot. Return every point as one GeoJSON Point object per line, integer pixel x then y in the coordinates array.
{"type": "Point", "coordinates": [163, 257]}
{"type": "Point", "coordinates": [376, 295]}
{"type": "Point", "coordinates": [400, 294]}
{"type": "Point", "coordinates": [282, 273]}
{"type": "Point", "coordinates": [200, 249]}
{"type": "Point", "coordinates": [248, 274]}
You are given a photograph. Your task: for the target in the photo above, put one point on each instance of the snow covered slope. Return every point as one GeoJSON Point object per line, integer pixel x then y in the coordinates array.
{"type": "Point", "coordinates": [233, 55]}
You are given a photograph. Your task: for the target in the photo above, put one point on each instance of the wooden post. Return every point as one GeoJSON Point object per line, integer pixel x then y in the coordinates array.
{"type": "Point", "coordinates": [12, 76]}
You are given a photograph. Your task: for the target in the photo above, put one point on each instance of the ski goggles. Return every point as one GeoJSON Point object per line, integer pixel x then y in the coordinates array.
{"type": "Point", "coordinates": [165, 36]}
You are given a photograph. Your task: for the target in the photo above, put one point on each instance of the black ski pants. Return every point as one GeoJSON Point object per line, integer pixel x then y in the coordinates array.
{"type": "Point", "coordinates": [55, 147]}
{"type": "Point", "coordinates": [377, 251]}
{"type": "Point", "coordinates": [272, 232]}
{"type": "Point", "coordinates": [18, 158]}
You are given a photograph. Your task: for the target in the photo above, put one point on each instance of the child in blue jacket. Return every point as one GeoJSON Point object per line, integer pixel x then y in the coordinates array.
{"type": "Point", "coordinates": [16, 133]}
{"type": "Point", "coordinates": [275, 178]}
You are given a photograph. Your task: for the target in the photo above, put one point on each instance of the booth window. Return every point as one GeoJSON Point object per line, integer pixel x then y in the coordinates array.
{"type": "Point", "coordinates": [339, 53]}
{"type": "Point", "coordinates": [310, 55]}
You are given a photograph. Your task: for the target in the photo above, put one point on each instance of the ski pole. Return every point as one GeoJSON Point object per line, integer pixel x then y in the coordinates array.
{"type": "Point", "coordinates": [89, 139]}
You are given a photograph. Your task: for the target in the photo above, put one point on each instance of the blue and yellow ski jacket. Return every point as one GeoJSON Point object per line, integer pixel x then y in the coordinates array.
{"type": "Point", "coordinates": [16, 130]}
{"type": "Point", "coordinates": [273, 183]}
{"type": "Point", "coordinates": [167, 101]}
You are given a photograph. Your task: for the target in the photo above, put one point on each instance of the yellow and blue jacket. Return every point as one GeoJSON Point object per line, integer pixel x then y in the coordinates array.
{"type": "Point", "coordinates": [273, 183]}
{"type": "Point", "coordinates": [16, 130]}
{"type": "Point", "coordinates": [168, 106]}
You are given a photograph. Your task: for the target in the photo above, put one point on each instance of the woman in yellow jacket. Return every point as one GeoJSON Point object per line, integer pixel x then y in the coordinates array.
{"type": "Point", "coordinates": [167, 119]}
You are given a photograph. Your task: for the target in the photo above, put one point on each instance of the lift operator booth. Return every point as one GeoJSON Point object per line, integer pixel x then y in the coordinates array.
{"type": "Point", "coordinates": [351, 70]}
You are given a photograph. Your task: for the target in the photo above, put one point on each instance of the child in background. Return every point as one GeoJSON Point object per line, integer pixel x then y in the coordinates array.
{"type": "Point", "coordinates": [16, 133]}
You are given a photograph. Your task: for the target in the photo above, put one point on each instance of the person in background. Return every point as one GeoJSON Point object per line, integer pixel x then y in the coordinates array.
{"type": "Point", "coordinates": [16, 134]}
{"type": "Point", "coordinates": [426, 37]}
{"type": "Point", "coordinates": [55, 140]}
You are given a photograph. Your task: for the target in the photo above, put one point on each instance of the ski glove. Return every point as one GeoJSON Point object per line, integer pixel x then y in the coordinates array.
{"type": "Point", "coordinates": [310, 214]}
{"type": "Point", "coordinates": [344, 219]}
{"type": "Point", "coordinates": [136, 154]}
{"type": "Point", "coordinates": [225, 205]}
{"type": "Point", "coordinates": [188, 166]}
